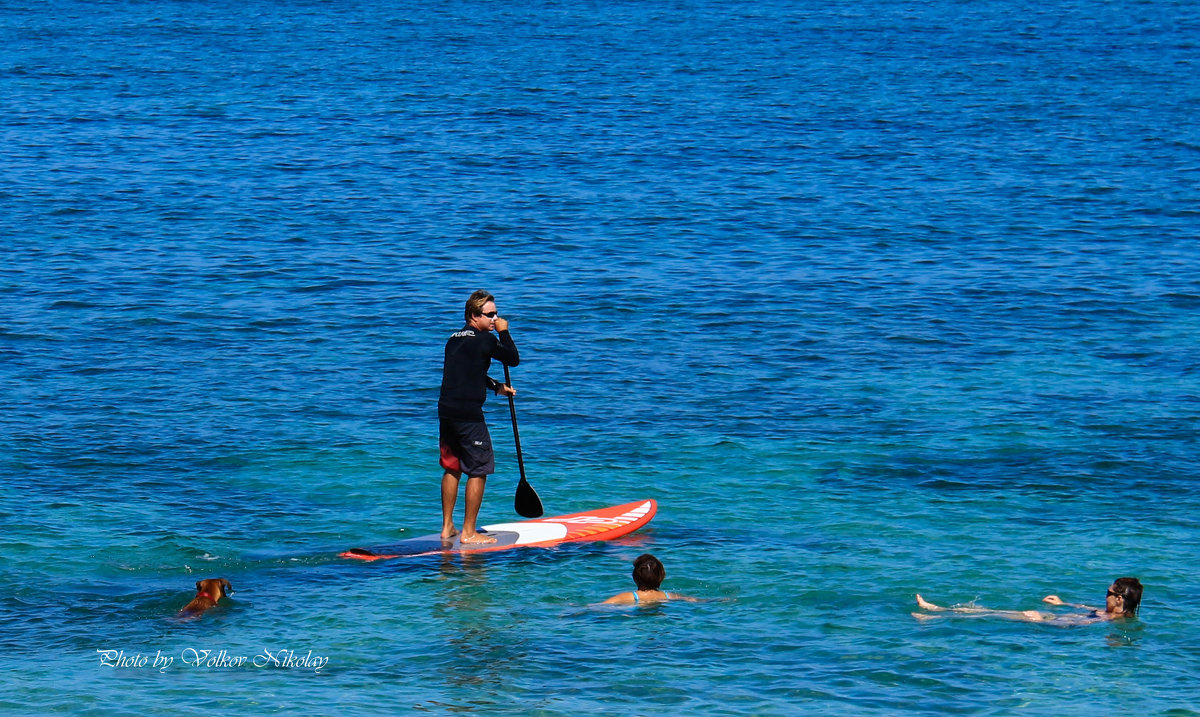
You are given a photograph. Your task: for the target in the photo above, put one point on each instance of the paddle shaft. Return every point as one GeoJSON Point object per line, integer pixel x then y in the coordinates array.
{"type": "Point", "coordinates": [512, 411]}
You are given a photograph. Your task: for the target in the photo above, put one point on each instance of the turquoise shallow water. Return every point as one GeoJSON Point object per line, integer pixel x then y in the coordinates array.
{"type": "Point", "coordinates": [873, 299]}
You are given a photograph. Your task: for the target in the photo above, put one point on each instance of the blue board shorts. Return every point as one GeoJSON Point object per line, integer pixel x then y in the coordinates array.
{"type": "Point", "coordinates": [466, 446]}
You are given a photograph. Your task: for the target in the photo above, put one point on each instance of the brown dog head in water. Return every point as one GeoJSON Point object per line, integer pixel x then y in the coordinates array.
{"type": "Point", "coordinates": [208, 592]}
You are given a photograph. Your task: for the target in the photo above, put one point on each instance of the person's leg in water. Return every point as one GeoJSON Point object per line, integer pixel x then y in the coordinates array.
{"type": "Point", "coordinates": [1023, 615]}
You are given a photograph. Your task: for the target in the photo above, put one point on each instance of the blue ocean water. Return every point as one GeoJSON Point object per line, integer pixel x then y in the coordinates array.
{"type": "Point", "coordinates": [874, 298]}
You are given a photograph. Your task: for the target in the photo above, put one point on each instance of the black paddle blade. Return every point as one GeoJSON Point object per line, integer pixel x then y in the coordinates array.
{"type": "Point", "coordinates": [527, 503]}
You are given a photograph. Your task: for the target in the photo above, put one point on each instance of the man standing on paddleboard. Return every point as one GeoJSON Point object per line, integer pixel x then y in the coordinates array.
{"type": "Point", "coordinates": [466, 446]}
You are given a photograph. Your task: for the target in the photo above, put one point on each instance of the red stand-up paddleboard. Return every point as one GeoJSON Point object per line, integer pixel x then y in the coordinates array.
{"type": "Point", "coordinates": [600, 524]}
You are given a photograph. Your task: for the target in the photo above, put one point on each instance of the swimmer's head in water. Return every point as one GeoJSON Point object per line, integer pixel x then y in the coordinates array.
{"type": "Point", "coordinates": [1124, 596]}
{"type": "Point", "coordinates": [648, 572]}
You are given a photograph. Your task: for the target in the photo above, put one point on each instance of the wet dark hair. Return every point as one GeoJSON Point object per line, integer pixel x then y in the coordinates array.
{"type": "Point", "coordinates": [1130, 591]}
{"type": "Point", "coordinates": [648, 572]}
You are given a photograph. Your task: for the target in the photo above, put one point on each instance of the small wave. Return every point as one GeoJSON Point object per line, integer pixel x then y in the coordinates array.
{"type": "Point", "coordinates": [918, 340]}
{"type": "Point", "coordinates": [6, 335]}
{"type": "Point", "coordinates": [1183, 301]}
{"type": "Point", "coordinates": [93, 371]}
{"type": "Point", "coordinates": [150, 321]}
{"type": "Point", "coordinates": [278, 323]}
{"type": "Point", "coordinates": [334, 286]}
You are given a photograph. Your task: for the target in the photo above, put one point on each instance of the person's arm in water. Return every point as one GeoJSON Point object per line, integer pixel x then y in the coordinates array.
{"type": "Point", "coordinates": [1056, 600]}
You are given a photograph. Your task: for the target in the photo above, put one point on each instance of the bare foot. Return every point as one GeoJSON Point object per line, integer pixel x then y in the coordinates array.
{"type": "Point", "coordinates": [925, 604]}
{"type": "Point", "coordinates": [449, 533]}
{"type": "Point", "coordinates": [475, 539]}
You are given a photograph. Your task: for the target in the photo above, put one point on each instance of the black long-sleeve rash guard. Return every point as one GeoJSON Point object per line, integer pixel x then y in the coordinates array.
{"type": "Point", "coordinates": [465, 382]}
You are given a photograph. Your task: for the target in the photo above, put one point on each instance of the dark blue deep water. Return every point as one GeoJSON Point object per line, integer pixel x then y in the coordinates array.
{"type": "Point", "coordinates": [874, 298]}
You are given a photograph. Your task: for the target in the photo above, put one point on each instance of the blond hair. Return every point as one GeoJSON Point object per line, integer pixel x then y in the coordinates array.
{"type": "Point", "coordinates": [475, 304]}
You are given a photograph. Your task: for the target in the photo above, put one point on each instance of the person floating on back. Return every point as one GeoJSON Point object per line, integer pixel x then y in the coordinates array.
{"type": "Point", "coordinates": [648, 574]}
{"type": "Point", "coordinates": [1122, 600]}
{"type": "Point", "coordinates": [466, 446]}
